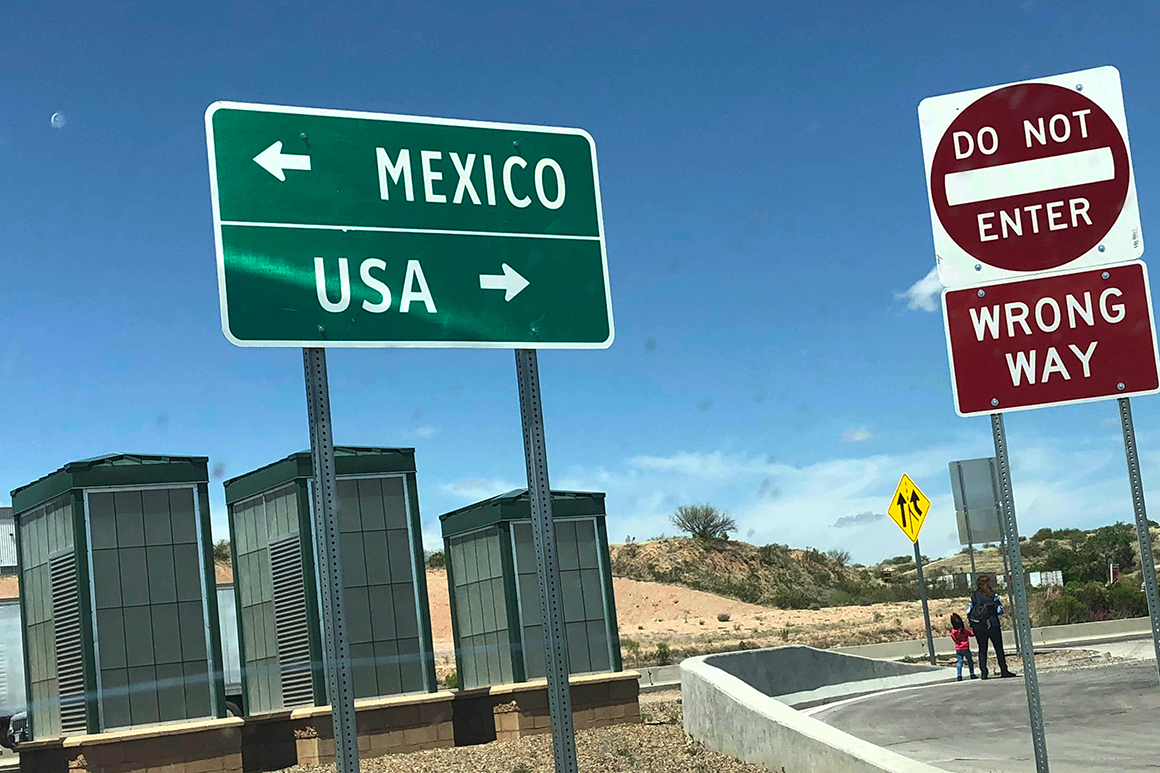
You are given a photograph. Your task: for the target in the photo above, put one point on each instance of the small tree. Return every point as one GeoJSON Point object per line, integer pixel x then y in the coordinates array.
{"type": "Point", "coordinates": [839, 557]}
{"type": "Point", "coordinates": [704, 521]}
{"type": "Point", "coordinates": [221, 551]}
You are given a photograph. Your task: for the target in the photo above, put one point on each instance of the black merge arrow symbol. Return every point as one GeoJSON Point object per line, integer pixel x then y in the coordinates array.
{"type": "Point", "coordinates": [914, 500]}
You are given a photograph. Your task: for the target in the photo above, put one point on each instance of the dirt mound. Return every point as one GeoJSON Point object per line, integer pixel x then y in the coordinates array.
{"type": "Point", "coordinates": [772, 575]}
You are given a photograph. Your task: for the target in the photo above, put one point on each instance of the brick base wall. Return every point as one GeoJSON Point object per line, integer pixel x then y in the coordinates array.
{"type": "Point", "coordinates": [204, 746]}
{"type": "Point", "coordinates": [385, 726]}
{"type": "Point", "coordinates": [598, 700]}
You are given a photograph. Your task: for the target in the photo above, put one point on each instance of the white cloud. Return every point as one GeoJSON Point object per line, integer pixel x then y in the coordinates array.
{"type": "Point", "coordinates": [923, 294]}
{"type": "Point", "coordinates": [857, 434]}
{"type": "Point", "coordinates": [423, 432]}
{"type": "Point", "coordinates": [714, 465]}
{"type": "Point", "coordinates": [472, 489]}
{"type": "Point", "coordinates": [1082, 486]}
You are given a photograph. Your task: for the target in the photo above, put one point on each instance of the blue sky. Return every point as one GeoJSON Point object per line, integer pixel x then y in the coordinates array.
{"type": "Point", "coordinates": [777, 352]}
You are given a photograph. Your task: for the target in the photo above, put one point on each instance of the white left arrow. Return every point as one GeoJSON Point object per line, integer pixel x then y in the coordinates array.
{"type": "Point", "coordinates": [509, 281]}
{"type": "Point", "coordinates": [274, 161]}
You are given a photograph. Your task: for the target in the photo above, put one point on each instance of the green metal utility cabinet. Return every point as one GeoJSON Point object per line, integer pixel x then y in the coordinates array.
{"type": "Point", "coordinates": [495, 601]}
{"type": "Point", "coordinates": [117, 595]}
{"type": "Point", "coordinates": [276, 579]}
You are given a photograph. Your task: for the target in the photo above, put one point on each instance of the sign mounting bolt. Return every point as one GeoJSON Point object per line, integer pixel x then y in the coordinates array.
{"type": "Point", "coordinates": [1102, 248]}
{"type": "Point", "coordinates": [321, 329]}
{"type": "Point", "coordinates": [982, 293]}
{"type": "Point", "coordinates": [994, 401]}
{"type": "Point", "coordinates": [978, 266]}
{"type": "Point", "coordinates": [1105, 275]}
{"type": "Point", "coordinates": [1120, 386]}
{"type": "Point", "coordinates": [1079, 87]}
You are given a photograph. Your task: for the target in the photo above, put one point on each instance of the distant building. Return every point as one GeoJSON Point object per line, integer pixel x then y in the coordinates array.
{"type": "Point", "coordinates": [7, 542]}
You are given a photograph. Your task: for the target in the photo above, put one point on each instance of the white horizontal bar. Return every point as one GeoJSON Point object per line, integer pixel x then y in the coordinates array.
{"type": "Point", "coordinates": [385, 229]}
{"type": "Point", "coordinates": [1039, 174]}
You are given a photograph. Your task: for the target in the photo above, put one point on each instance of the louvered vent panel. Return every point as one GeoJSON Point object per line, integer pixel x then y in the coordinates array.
{"type": "Point", "coordinates": [290, 621]}
{"type": "Point", "coordinates": [66, 615]}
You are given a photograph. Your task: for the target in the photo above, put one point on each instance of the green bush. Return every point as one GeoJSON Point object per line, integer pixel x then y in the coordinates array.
{"type": "Point", "coordinates": [723, 617]}
{"type": "Point", "coordinates": [1126, 601]}
{"type": "Point", "coordinates": [436, 560]}
{"type": "Point", "coordinates": [1089, 602]}
{"type": "Point", "coordinates": [794, 598]}
{"type": "Point", "coordinates": [704, 522]}
{"type": "Point", "coordinates": [664, 656]}
{"type": "Point", "coordinates": [221, 551]}
{"type": "Point", "coordinates": [774, 554]}
{"type": "Point", "coordinates": [452, 680]}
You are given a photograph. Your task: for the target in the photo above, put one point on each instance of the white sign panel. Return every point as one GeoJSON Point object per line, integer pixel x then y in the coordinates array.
{"type": "Point", "coordinates": [1030, 177]}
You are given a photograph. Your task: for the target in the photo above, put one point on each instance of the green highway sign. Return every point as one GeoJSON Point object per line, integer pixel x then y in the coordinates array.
{"type": "Point", "coordinates": [338, 228]}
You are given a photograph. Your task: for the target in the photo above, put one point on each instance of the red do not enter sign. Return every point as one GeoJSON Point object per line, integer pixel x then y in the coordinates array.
{"type": "Point", "coordinates": [1030, 177]}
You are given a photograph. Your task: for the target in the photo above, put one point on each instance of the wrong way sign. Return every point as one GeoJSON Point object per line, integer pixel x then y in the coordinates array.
{"type": "Point", "coordinates": [1059, 338]}
{"type": "Point", "coordinates": [1030, 177]}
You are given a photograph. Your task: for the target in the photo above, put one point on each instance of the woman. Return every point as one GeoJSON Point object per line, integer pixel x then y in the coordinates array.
{"type": "Point", "coordinates": [983, 612]}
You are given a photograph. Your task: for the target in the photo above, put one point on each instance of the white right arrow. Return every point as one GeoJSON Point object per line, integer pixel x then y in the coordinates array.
{"type": "Point", "coordinates": [274, 161]}
{"type": "Point", "coordinates": [509, 281]}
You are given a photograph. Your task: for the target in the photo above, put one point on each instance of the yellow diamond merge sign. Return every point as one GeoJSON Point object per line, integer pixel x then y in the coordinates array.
{"type": "Point", "coordinates": [908, 508]}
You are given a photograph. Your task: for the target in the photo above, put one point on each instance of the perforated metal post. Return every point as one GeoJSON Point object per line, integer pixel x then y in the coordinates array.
{"type": "Point", "coordinates": [1003, 544]}
{"type": "Point", "coordinates": [925, 608]}
{"type": "Point", "coordinates": [339, 686]}
{"type": "Point", "coordinates": [1147, 563]}
{"type": "Point", "coordinates": [1019, 592]}
{"type": "Point", "coordinates": [547, 568]}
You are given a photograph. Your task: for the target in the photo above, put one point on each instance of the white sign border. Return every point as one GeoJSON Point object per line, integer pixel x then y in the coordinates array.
{"type": "Point", "coordinates": [334, 113]}
{"type": "Point", "coordinates": [1001, 409]}
{"type": "Point", "coordinates": [955, 265]}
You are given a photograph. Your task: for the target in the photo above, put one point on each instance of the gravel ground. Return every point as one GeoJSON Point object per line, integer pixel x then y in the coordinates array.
{"type": "Point", "coordinates": [658, 745]}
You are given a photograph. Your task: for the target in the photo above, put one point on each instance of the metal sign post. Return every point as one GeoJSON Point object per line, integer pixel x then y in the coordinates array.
{"type": "Point", "coordinates": [1147, 564]}
{"type": "Point", "coordinates": [1003, 544]}
{"type": "Point", "coordinates": [925, 608]}
{"type": "Point", "coordinates": [340, 688]}
{"type": "Point", "coordinates": [547, 568]}
{"type": "Point", "coordinates": [909, 508]}
{"type": "Point", "coordinates": [1019, 593]}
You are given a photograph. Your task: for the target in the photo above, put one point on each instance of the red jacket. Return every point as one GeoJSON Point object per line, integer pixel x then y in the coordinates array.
{"type": "Point", "coordinates": [961, 638]}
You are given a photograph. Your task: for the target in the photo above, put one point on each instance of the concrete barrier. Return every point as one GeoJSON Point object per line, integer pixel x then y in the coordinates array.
{"type": "Point", "coordinates": [728, 707]}
{"type": "Point", "coordinates": [802, 676]}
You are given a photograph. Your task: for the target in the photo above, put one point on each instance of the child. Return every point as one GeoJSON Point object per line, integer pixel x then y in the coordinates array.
{"type": "Point", "coordinates": [961, 636]}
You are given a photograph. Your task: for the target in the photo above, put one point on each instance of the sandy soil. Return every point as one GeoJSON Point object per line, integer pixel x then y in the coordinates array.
{"type": "Point", "coordinates": [687, 620]}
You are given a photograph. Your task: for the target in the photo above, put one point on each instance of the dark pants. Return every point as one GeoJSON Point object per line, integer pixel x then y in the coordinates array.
{"type": "Point", "coordinates": [994, 635]}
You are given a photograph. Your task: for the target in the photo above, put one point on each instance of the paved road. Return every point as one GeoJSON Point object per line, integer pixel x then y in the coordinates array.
{"type": "Point", "coordinates": [1097, 719]}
